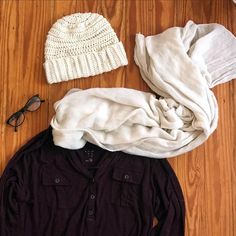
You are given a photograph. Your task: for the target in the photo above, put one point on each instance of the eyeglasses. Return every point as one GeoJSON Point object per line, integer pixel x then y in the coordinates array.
{"type": "Point", "coordinates": [18, 117]}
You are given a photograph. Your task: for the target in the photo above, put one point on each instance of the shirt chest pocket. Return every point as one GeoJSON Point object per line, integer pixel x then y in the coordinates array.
{"type": "Point", "coordinates": [58, 190]}
{"type": "Point", "coordinates": [126, 187]}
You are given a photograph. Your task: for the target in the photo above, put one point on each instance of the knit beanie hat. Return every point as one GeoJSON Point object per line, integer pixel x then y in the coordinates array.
{"type": "Point", "coordinates": [81, 45]}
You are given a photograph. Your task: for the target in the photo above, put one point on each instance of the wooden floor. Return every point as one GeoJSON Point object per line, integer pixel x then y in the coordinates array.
{"type": "Point", "coordinates": [207, 174]}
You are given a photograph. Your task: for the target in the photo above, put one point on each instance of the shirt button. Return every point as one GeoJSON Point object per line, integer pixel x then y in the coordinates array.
{"type": "Point", "coordinates": [126, 177]}
{"type": "Point", "coordinates": [92, 196]}
{"type": "Point", "coordinates": [57, 180]}
{"type": "Point", "coordinates": [90, 212]}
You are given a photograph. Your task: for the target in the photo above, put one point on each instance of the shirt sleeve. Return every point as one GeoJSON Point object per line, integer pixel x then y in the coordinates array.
{"type": "Point", "coordinates": [12, 194]}
{"type": "Point", "coordinates": [169, 208]}
{"type": "Point", "coordinates": [15, 194]}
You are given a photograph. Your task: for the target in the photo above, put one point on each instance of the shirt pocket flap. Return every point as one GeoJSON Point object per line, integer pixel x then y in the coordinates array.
{"type": "Point", "coordinates": [129, 176]}
{"type": "Point", "coordinates": [54, 178]}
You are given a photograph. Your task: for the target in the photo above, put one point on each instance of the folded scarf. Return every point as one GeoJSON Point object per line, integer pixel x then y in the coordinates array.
{"type": "Point", "coordinates": [180, 65]}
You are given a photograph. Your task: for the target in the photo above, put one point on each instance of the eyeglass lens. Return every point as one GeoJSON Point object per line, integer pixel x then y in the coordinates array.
{"type": "Point", "coordinates": [33, 104]}
{"type": "Point", "coordinates": [17, 119]}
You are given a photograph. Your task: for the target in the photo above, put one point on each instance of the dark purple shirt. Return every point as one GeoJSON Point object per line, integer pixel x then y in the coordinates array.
{"type": "Point", "coordinates": [47, 190]}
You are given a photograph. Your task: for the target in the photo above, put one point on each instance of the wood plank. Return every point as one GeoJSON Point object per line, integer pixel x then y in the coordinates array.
{"type": "Point", "coordinates": [22, 34]}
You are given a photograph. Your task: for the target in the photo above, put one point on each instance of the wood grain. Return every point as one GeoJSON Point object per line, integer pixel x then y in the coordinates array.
{"type": "Point", "coordinates": [207, 174]}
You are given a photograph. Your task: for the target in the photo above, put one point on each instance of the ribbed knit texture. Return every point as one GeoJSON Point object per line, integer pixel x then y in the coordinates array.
{"type": "Point", "coordinates": [82, 45]}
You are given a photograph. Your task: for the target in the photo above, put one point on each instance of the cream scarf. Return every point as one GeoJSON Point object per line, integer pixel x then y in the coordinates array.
{"type": "Point", "coordinates": [180, 65]}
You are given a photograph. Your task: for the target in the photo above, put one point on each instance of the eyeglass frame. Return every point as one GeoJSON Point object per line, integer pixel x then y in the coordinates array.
{"type": "Point", "coordinates": [23, 110]}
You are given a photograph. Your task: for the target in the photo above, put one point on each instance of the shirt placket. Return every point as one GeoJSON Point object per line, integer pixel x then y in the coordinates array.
{"type": "Point", "coordinates": [91, 209]}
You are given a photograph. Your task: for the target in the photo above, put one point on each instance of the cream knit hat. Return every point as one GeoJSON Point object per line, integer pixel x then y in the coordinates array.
{"type": "Point", "coordinates": [81, 45]}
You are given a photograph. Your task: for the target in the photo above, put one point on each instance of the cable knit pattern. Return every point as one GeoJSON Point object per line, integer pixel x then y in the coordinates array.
{"type": "Point", "coordinates": [81, 45]}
